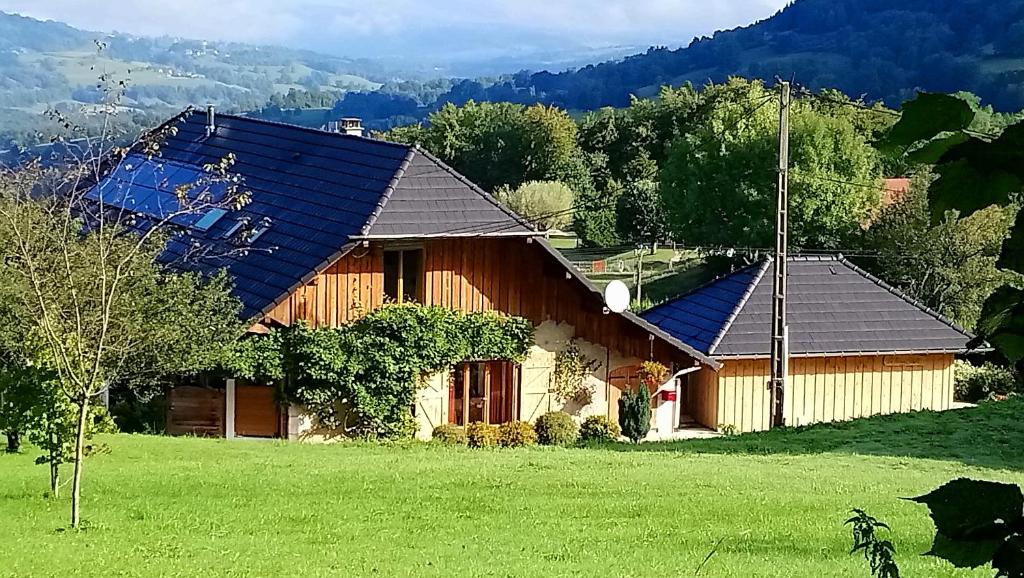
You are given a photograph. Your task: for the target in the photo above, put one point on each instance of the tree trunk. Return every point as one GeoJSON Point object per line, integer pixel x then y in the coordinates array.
{"type": "Point", "coordinates": [76, 480]}
{"type": "Point", "coordinates": [13, 441]}
{"type": "Point", "coordinates": [54, 459]}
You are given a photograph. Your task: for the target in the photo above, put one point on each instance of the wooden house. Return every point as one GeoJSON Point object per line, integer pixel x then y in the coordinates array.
{"type": "Point", "coordinates": [340, 224]}
{"type": "Point", "coordinates": [858, 347]}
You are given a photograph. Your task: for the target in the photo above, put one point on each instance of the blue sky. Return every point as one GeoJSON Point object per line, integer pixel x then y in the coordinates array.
{"type": "Point", "coordinates": [390, 27]}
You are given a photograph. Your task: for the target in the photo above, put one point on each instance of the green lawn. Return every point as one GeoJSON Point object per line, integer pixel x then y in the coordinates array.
{"type": "Point", "coordinates": [773, 503]}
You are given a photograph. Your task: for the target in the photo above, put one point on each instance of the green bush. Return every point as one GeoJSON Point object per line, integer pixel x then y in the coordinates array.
{"type": "Point", "coordinates": [635, 413]}
{"type": "Point", "coordinates": [516, 434]}
{"type": "Point", "coordinates": [598, 428]}
{"type": "Point", "coordinates": [481, 435]}
{"type": "Point", "coordinates": [449, 435]}
{"type": "Point", "coordinates": [975, 383]}
{"type": "Point", "coordinates": [556, 428]}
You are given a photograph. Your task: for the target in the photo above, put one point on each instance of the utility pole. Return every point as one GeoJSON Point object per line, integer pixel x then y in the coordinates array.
{"type": "Point", "coordinates": [639, 252]}
{"type": "Point", "coordinates": [780, 330]}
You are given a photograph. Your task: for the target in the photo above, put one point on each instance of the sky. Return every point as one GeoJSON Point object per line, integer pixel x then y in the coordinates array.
{"type": "Point", "coordinates": [401, 27]}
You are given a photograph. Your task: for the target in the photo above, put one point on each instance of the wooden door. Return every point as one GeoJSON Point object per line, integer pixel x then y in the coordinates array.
{"type": "Point", "coordinates": [256, 412]}
{"type": "Point", "coordinates": [484, 392]}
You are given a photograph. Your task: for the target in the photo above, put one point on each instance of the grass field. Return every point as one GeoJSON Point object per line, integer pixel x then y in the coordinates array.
{"type": "Point", "coordinates": [774, 504]}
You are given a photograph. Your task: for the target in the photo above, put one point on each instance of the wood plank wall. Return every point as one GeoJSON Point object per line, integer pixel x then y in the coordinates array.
{"type": "Point", "coordinates": [507, 275]}
{"type": "Point", "coordinates": [702, 397]}
{"type": "Point", "coordinates": [823, 389]}
{"type": "Point", "coordinates": [193, 410]}
{"type": "Point", "coordinates": [842, 388]}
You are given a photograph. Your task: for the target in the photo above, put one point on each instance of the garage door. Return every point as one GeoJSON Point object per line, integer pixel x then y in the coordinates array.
{"type": "Point", "coordinates": [256, 412]}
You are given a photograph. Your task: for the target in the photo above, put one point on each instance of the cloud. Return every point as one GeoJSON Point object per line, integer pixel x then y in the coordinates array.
{"type": "Point", "coordinates": [365, 27]}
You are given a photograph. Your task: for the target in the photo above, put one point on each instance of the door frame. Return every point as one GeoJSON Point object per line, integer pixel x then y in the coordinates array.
{"type": "Point", "coordinates": [510, 375]}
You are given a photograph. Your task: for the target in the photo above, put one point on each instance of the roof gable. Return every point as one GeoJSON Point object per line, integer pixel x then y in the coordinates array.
{"type": "Point", "coordinates": [834, 307]}
{"type": "Point", "coordinates": [431, 199]}
{"type": "Point", "coordinates": [701, 317]}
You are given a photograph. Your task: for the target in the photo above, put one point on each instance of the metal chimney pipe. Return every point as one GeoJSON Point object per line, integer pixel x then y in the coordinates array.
{"type": "Point", "coordinates": [211, 124]}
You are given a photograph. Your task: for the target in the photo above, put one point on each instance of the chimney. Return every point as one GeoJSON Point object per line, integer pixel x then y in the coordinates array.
{"type": "Point", "coordinates": [211, 124]}
{"type": "Point", "coordinates": [349, 125]}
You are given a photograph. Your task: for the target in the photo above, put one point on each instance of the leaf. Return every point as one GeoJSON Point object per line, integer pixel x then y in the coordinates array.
{"type": "Point", "coordinates": [963, 553]}
{"type": "Point", "coordinates": [933, 150]}
{"type": "Point", "coordinates": [927, 116]}
{"type": "Point", "coordinates": [1002, 322]}
{"type": "Point", "coordinates": [1012, 256]}
{"type": "Point", "coordinates": [964, 187]}
{"type": "Point", "coordinates": [1009, 559]}
{"type": "Point", "coordinates": [974, 510]}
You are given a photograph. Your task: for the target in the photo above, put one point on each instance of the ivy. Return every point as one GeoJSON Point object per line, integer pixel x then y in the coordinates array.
{"type": "Point", "coordinates": [362, 377]}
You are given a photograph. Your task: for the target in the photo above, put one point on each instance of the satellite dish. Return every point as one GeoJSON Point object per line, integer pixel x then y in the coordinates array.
{"type": "Point", "coordinates": [616, 296]}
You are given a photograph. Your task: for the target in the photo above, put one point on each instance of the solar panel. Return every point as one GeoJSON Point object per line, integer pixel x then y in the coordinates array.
{"type": "Point", "coordinates": [152, 187]}
{"type": "Point", "coordinates": [209, 219]}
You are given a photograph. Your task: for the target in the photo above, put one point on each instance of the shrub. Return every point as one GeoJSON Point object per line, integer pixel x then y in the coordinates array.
{"type": "Point", "coordinates": [556, 428]}
{"type": "Point", "coordinates": [598, 428]}
{"type": "Point", "coordinates": [635, 413]}
{"type": "Point", "coordinates": [516, 434]}
{"type": "Point", "coordinates": [974, 383]}
{"type": "Point", "coordinates": [481, 435]}
{"type": "Point", "coordinates": [449, 435]}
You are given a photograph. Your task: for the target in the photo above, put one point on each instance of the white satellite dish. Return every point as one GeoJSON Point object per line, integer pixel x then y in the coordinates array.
{"type": "Point", "coordinates": [616, 296]}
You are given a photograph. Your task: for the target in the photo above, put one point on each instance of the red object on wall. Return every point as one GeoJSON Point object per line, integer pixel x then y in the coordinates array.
{"type": "Point", "coordinates": [668, 395]}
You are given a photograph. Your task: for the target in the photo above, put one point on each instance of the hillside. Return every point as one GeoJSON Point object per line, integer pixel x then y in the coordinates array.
{"type": "Point", "coordinates": [47, 64]}
{"type": "Point", "coordinates": [882, 49]}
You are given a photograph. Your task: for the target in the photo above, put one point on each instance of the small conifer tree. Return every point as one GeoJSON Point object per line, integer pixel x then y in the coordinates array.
{"type": "Point", "coordinates": [635, 413]}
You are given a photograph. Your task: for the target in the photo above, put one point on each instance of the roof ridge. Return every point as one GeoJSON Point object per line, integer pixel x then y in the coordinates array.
{"type": "Point", "coordinates": [476, 188]}
{"type": "Point", "coordinates": [754, 282]}
{"type": "Point", "coordinates": [904, 296]}
{"type": "Point", "coordinates": [313, 130]}
{"type": "Point", "coordinates": [388, 191]}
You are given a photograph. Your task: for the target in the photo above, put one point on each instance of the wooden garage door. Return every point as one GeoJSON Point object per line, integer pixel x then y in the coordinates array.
{"type": "Point", "coordinates": [256, 413]}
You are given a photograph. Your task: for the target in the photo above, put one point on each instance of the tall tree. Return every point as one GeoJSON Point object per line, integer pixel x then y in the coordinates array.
{"type": "Point", "coordinates": [975, 171]}
{"type": "Point", "coordinates": [546, 204]}
{"type": "Point", "coordinates": [93, 304]}
{"type": "Point", "coordinates": [719, 180]}
{"type": "Point", "coordinates": [950, 265]}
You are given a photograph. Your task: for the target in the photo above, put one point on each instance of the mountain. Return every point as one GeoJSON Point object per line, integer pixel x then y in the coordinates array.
{"type": "Point", "coordinates": [881, 49]}
{"type": "Point", "coordinates": [46, 64]}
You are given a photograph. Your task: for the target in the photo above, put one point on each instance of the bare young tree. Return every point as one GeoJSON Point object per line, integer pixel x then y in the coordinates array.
{"type": "Point", "coordinates": [90, 275]}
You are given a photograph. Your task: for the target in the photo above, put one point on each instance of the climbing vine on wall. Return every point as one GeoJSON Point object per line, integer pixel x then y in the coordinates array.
{"type": "Point", "coordinates": [570, 374]}
{"type": "Point", "coordinates": [363, 376]}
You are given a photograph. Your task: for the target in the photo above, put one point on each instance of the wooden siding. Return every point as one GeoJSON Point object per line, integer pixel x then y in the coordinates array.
{"type": "Point", "coordinates": [193, 410]}
{"type": "Point", "coordinates": [843, 388]}
{"type": "Point", "coordinates": [702, 397]}
{"type": "Point", "coordinates": [508, 275]}
{"type": "Point", "coordinates": [742, 396]}
{"type": "Point", "coordinates": [824, 389]}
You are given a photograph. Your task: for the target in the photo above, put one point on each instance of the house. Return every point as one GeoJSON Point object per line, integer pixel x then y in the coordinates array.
{"type": "Point", "coordinates": [340, 224]}
{"type": "Point", "coordinates": [857, 346]}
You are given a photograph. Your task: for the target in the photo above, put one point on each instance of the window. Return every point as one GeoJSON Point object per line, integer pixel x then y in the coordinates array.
{"type": "Point", "coordinates": [403, 275]}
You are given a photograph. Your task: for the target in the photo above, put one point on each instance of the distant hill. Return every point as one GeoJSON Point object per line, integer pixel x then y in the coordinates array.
{"type": "Point", "coordinates": [46, 64]}
{"type": "Point", "coordinates": [883, 49]}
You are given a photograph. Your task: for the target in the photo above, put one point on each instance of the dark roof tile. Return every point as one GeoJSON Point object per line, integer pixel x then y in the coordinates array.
{"type": "Point", "coordinates": [833, 307]}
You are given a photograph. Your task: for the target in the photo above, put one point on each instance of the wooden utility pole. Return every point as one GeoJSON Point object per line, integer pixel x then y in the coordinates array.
{"type": "Point", "coordinates": [780, 330]}
{"type": "Point", "coordinates": [639, 252]}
